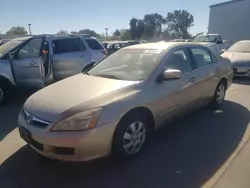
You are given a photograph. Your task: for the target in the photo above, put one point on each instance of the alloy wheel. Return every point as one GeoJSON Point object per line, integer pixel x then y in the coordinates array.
{"type": "Point", "coordinates": [134, 137]}
{"type": "Point", "coordinates": [220, 94]}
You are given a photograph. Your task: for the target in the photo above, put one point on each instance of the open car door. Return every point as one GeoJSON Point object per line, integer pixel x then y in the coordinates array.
{"type": "Point", "coordinates": [27, 63]}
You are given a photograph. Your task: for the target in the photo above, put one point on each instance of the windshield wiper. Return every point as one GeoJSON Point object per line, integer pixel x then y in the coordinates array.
{"type": "Point", "coordinates": [108, 76]}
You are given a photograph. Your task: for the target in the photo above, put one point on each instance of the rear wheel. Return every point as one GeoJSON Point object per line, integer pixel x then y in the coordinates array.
{"type": "Point", "coordinates": [130, 136]}
{"type": "Point", "coordinates": [219, 95]}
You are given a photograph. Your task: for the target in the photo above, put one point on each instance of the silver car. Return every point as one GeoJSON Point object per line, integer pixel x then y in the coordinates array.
{"type": "Point", "coordinates": [239, 54]}
{"type": "Point", "coordinates": [113, 108]}
{"type": "Point", "coordinates": [36, 61]}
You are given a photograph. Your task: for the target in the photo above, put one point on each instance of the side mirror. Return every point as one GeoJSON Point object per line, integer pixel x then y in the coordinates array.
{"type": "Point", "coordinates": [170, 74]}
{"type": "Point", "coordinates": [88, 67]}
{"type": "Point", "coordinates": [219, 42]}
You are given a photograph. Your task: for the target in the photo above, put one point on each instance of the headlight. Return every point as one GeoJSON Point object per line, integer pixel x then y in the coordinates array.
{"type": "Point", "coordinates": [78, 122]}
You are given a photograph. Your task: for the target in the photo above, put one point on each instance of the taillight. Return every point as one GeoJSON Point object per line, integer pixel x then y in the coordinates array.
{"type": "Point", "coordinates": [104, 52]}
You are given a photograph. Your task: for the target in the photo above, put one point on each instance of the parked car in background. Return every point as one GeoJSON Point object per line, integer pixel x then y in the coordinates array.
{"type": "Point", "coordinates": [121, 44]}
{"type": "Point", "coordinates": [36, 61]}
{"type": "Point", "coordinates": [213, 41]}
{"type": "Point", "coordinates": [106, 44]}
{"type": "Point", "coordinates": [239, 54]}
{"type": "Point", "coordinates": [113, 108]}
{"type": "Point", "coordinates": [115, 46]}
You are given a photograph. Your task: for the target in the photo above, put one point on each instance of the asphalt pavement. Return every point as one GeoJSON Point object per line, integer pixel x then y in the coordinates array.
{"type": "Point", "coordinates": [202, 149]}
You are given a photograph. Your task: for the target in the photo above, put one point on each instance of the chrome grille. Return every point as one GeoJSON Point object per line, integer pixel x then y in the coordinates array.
{"type": "Point", "coordinates": [34, 121]}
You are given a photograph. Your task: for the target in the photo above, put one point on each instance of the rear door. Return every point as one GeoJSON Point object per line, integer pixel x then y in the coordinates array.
{"type": "Point", "coordinates": [205, 73]}
{"type": "Point", "coordinates": [70, 56]}
{"type": "Point", "coordinates": [98, 52]}
{"type": "Point", "coordinates": [27, 64]}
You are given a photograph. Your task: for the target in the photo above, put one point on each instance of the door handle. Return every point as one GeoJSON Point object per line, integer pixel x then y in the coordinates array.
{"type": "Point", "coordinates": [82, 56]}
{"type": "Point", "coordinates": [192, 79]}
{"type": "Point", "coordinates": [217, 69]}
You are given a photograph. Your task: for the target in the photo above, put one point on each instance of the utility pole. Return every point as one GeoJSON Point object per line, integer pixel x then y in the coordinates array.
{"type": "Point", "coordinates": [106, 33]}
{"type": "Point", "coordinates": [29, 28]}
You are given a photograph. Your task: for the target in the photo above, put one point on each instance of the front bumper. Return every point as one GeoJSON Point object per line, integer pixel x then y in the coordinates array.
{"type": "Point", "coordinates": [241, 71]}
{"type": "Point", "coordinates": [70, 145]}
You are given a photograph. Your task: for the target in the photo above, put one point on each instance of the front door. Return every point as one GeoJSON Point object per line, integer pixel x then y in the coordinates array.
{"type": "Point", "coordinates": [70, 56]}
{"type": "Point", "coordinates": [27, 64]}
{"type": "Point", "coordinates": [177, 96]}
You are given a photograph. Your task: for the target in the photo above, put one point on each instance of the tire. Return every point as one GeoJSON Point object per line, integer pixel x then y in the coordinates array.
{"type": "Point", "coordinates": [219, 96]}
{"type": "Point", "coordinates": [3, 90]}
{"type": "Point", "coordinates": [131, 136]}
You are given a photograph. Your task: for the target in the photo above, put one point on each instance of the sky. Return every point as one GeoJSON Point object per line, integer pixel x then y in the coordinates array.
{"type": "Point", "coordinates": [50, 16]}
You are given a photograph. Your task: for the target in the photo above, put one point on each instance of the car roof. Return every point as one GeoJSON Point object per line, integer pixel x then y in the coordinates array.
{"type": "Point", "coordinates": [162, 45]}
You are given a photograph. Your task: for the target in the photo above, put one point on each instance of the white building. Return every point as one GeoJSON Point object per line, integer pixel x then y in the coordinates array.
{"type": "Point", "coordinates": [230, 19]}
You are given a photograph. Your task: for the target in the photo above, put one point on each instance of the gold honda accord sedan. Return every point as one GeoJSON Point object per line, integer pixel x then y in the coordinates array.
{"type": "Point", "coordinates": [114, 106]}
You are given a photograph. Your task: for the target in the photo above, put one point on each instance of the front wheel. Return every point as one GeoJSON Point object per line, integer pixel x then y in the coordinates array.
{"type": "Point", "coordinates": [130, 137]}
{"type": "Point", "coordinates": [219, 95]}
{"type": "Point", "coordinates": [2, 94]}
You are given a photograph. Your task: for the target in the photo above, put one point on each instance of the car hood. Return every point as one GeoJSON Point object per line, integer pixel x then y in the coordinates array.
{"type": "Point", "coordinates": [52, 102]}
{"type": "Point", "coordinates": [237, 58]}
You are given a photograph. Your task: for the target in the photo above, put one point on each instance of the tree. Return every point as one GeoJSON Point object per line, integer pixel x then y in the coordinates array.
{"type": "Point", "coordinates": [74, 32]}
{"type": "Point", "coordinates": [17, 30]}
{"type": "Point", "coordinates": [153, 24]}
{"type": "Point", "coordinates": [136, 28]}
{"type": "Point", "coordinates": [125, 34]}
{"type": "Point", "coordinates": [140, 29]}
{"type": "Point", "coordinates": [133, 28]}
{"type": "Point", "coordinates": [89, 32]}
{"type": "Point", "coordinates": [117, 34]}
{"type": "Point", "coordinates": [179, 22]}
{"type": "Point", "coordinates": [62, 32]}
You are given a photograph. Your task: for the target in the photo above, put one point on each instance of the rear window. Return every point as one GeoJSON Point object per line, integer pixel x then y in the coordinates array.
{"type": "Point", "coordinates": [94, 45]}
{"type": "Point", "coordinates": [68, 45]}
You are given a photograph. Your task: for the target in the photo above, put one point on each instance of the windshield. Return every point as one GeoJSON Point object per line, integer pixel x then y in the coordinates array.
{"type": "Point", "coordinates": [205, 38]}
{"type": "Point", "coordinates": [240, 47]}
{"type": "Point", "coordinates": [128, 64]}
{"type": "Point", "coordinates": [8, 46]}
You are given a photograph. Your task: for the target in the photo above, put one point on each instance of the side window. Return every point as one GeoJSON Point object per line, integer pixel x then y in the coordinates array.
{"type": "Point", "coordinates": [180, 60]}
{"type": "Point", "coordinates": [31, 49]}
{"type": "Point", "coordinates": [68, 45]}
{"type": "Point", "coordinates": [94, 45]}
{"type": "Point", "coordinates": [213, 57]}
{"type": "Point", "coordinates": [201, 57]}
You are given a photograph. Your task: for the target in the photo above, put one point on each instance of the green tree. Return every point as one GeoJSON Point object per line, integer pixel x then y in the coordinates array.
{"type": "Point", "coordinates": [74, 32]}
{"type": "Point", "coordinates": [140, 29]}
{"type": "Point", "coordinates": [17, 30]}
{"type": "Point", "coordinates": [136, 28]}
{"type": "Point", "coordinates": [117, 34]}
{"type": "Point", "coordinates": [179, 22]}
{"type": "Point", "coordinates": [125, 34]}
{"type": "Point", "coordinates": [89, 32]}
{"type": "Point", "coordinates": [153, 24]}
{"type": "Point", "coordinates": [62, 32]}
{"type": "Point", "coordinates": [133, 28]}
